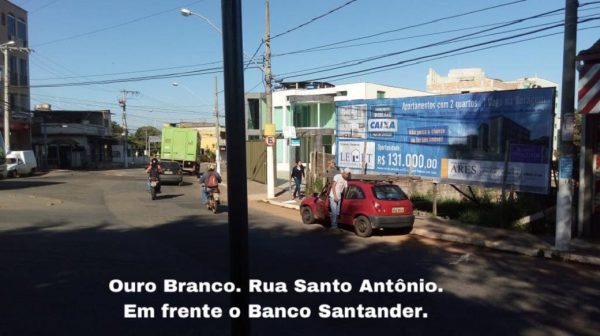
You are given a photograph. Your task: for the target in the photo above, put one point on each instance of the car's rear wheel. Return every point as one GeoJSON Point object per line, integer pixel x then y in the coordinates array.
{"type": "Point", "coordinates": [362, 226]}
{"type": "Point", "coordinates": [307, 215]}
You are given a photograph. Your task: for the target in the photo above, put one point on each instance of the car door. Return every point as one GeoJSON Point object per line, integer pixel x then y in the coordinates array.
{"type": "Point", "coordinates": [352, 202]}
{"type": "Point", "coordinates": [322, 203]}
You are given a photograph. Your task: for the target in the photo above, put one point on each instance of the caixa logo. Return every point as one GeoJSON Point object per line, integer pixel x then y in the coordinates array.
{"type": "Point", "coordinates": [383, 125]}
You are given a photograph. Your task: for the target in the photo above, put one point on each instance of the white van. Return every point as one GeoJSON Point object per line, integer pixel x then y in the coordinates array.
{"type": "Point", "coordinates": [3, 168]}
{"type": "Point", "coordinates": [21, 163]}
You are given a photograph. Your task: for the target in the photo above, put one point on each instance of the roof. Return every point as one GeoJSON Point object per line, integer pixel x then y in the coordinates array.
{"type": "Point", "coordinates": [593, 53]}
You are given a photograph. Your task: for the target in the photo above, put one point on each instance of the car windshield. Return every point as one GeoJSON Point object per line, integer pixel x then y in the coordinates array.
{"type": "Point", "coordinates": [11, 160]}
{"type": "Point", "coordinates": [389, 192]}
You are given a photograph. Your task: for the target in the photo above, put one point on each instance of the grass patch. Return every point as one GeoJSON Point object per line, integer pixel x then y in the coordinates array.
{"type": "Point", "coordinates": [490, 214]}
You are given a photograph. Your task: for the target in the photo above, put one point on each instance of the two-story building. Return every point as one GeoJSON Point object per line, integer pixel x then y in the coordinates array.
{"type": "Point", "coordinates": [72, 139]}
{"type": "Point", "coordinates": [309, 107]}
{"type": "Point", "coordinates": [13, 44]}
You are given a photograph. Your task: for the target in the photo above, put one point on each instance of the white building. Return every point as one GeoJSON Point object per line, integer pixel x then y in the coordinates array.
{"type": "Point", "coordinates": [310, 108]}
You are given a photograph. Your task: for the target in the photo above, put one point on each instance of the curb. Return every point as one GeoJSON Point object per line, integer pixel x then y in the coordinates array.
{"type": "Point", "coordinates": [281, 204]}
{"type": "Point", "coordinates": [507, 247]}
{"type": "Point", "coordinates": [495, 245]}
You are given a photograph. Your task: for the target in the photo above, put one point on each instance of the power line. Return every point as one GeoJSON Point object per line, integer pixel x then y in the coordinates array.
{"type": "Point", "coordinates": [129, 72]}
{"type": "Point", "coordinates": [326, 48]}
{"type": "Point", "coordinates": [113, 26]}
{"type": "Point", "coordinates": [447, 41]}
{"type": "Point", "coordinates": [206, 71]}
{"type": "Point", "coordinates": [300, 26]}
{"type": "Point", "coordinates": [390, 65]}
{"type": "Point", "coordinates": [444, 18]}
{"type": "Point", "coordinates": [314, 19]}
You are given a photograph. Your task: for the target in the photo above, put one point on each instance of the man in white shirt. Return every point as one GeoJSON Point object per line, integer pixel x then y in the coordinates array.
{"type": "Point", "coordinates": [335, 195]}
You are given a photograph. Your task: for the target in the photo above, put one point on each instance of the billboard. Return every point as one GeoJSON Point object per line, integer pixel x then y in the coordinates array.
{"type": "Point", "coordinates": [486, 138]}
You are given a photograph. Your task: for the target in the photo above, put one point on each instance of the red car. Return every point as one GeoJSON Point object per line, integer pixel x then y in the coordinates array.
{"type": "Point", "coordinates": [366, 205]}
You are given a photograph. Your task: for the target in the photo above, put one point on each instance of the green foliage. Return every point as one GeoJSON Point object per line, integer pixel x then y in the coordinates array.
{"type": "Point", "coordinates": [138, 139]}
{"type": "Point", "coordinates": [316, 186]}
{"type": "Point", "coordinates": [490, 214]}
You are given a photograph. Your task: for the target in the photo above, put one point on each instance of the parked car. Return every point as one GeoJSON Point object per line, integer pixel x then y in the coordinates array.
{"type": "Point", "coordinates": [172, 172]}
{"type": "Point", "coordinates": [21, 163]}
{"type": "Point", "coordinates": [366, 205]}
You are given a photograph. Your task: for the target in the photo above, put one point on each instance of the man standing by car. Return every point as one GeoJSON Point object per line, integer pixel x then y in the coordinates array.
{"type": "Point", "coordinates": [335, 195]}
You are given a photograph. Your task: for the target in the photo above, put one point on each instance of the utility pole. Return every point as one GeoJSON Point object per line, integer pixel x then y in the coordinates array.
{"type": "Point", "coordinates": [5, 48]}
{"type": "Point", "coordinates": [217, 128]}
{"type": "Point", "coordinates": [564, 196]}
{"type": "Point", "coordinates": [269, 127]}
{"type": "Point", "coordinates": [6, 103]}
{"type": "Point", "coordinates": [125, 134]}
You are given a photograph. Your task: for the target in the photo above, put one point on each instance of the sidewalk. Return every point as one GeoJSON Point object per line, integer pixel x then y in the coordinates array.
{"type": "Point", "coordinates": [585, 251]}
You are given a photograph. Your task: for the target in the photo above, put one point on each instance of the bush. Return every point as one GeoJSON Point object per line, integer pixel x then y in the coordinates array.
{"type": "Point", "coordinates": [490, 214]}
{"type": "Point", "coordinates": [316, 186]}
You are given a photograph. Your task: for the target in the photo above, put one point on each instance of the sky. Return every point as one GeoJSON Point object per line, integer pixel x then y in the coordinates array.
{"type": "Point", "coordinates": [338, 41]}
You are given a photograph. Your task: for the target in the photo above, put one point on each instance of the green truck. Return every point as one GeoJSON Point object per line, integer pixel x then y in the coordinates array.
{"type": "Point", "coordinates": [182, 145]}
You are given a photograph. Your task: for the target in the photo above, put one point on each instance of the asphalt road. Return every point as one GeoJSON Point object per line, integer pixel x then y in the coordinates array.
{"type": "Point", "coordinates": [65, 237]}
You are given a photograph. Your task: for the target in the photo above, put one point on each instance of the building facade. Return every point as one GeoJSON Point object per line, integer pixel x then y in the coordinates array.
{"type": "Point", "coordinates": [72, 139]}
{"type": "Point", "coordinates": [309, 108]}
{"type": "Point", "coordinates": [14, 27]}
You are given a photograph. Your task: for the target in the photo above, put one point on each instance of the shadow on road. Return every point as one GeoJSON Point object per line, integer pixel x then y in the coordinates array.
{"type": "Point", "coordinates": [55, 281]}
{"type": "Point", "coordinates": [24, 183]}
{"type": "Point", "coordinates": [168, 196]}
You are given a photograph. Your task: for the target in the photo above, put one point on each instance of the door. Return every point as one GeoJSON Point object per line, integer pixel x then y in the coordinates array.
{"type": "Point", "coordinates": [323, 203]}
{"type": "Point", "coordinates": [64, 157]}
{"type": "Point", "coordinates": [352, 203]}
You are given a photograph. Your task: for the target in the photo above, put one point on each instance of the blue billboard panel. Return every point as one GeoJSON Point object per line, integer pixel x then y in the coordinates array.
{"type": "Point", "coordinates": [464, 138]}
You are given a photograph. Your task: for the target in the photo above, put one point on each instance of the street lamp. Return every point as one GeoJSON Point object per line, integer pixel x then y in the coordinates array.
{"type": "Point", "coordinates": [188, 12]}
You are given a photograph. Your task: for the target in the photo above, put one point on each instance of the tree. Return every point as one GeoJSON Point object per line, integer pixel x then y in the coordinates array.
{"type": "Point", "coordinates": [139, 138]}
{"type": "Point", "coordinates": [117, 130]}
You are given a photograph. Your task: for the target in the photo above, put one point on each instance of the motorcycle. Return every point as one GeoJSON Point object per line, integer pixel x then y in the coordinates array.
{"type": "Point", "coordinates": [213, 200]}
{"type": "Point", "coordinates": [153, 185]}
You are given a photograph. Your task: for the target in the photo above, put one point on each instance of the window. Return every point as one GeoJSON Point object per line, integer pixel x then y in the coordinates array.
{"type": "Point", "coordinates": [305, 115]}
{"type": "Point", "coordinates": [390, 192]}
{"type": "Point", "coordinates": [13, 71]}
{"type": "Point", "coordinates": [22, 73]}
{"type": "Point", "coordinates": [22, 32]}
{"type": "Point", "coordinates": [380, 94]}
{"type": "Point", "coordinates": [11, 27]}
{"type": "Point", "coordinates": [341, 93]}
{"type": "Point", "coordinates": [253, 113]}
{"type": "Point", "coordinates": [355, 192]}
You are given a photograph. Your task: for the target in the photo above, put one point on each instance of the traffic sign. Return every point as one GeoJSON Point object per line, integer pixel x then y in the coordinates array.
{"type": "Point", "coordinates": [270, 141]}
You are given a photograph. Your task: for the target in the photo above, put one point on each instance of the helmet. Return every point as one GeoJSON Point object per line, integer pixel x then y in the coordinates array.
{"type": "Point", "coordinates": [211, 166]}
{"type": "Point", "coordinates": [154, 162]}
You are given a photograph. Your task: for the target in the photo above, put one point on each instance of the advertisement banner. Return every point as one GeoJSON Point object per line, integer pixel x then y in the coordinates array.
{"type": "Point", "coordinates": [463, 138]}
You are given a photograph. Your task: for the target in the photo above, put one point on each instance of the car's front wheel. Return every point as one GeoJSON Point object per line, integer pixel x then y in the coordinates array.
{"type": "Point", "coordinates": [362, 226]}
{"type": "Point", "coordinates": [307, 215]}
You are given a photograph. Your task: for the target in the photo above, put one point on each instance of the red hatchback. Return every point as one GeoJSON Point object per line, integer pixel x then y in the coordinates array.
{"type": "Point", "coordinates": [366, 205]}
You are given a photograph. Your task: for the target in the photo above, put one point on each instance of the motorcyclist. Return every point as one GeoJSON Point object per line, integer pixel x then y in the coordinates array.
{"type": "Point", "coordinates": [154, 170]}
{"type": "Point", "coordinates": [208, 182]}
